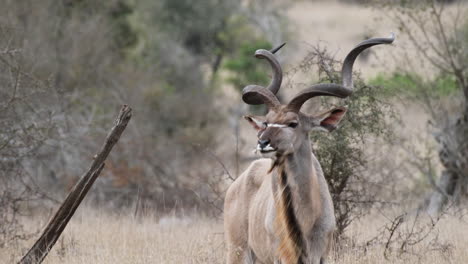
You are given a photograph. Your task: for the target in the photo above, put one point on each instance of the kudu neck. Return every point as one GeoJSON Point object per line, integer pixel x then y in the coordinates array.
{"type": "Point", "coordinates": [300, 161]}
{"type": "Point", "coordinates": [292, 189]}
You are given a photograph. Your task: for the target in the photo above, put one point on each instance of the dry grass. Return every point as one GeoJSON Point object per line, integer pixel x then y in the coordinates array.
{"type": "Point", "coordinates": [97, 237]}
{"type": "Point", "coordinates": [446, 243]}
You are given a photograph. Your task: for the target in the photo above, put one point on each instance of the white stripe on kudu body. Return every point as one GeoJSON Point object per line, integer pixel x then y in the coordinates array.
{"type": "Point", "coordinates": [280, 209]}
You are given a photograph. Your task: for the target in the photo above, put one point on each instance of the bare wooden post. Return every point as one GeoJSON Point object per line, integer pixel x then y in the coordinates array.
{"type": "Point", "coordinates": [54, 229]}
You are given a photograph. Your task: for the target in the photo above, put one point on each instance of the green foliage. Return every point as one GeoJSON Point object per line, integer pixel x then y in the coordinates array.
{"type": "Point", "coordinates": [411, 84]}
{"type": "Point", "coordinates": [202, 33]}
{"type": "Point", "coordinates": [195, 24]}
{"type": "Point", "coordinates": [445, 85]}
{"type": "Point", "coordinates": [116, 13]}
{"type": "Point", "coordinates": [124, 34]}
{"type": "Point", "coordinates": [342, 153]}
{"type": "Point", "coordinates": [396, 82]}
{"type": "Point", "coordinates": [245, 68]}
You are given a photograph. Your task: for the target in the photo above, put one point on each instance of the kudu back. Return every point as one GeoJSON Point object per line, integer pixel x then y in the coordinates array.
{"type": "Point", "coordinates": [280, 209]}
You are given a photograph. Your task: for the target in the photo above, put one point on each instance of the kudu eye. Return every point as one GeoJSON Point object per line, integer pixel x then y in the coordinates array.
{"type": "Point", "coordinates": [293, 124]}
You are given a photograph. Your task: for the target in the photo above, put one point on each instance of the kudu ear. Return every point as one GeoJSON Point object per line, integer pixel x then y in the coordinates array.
{"type": "Point", "coordinates": [329, 120]}
{"type": "Point", "coordinates": [257, 122]}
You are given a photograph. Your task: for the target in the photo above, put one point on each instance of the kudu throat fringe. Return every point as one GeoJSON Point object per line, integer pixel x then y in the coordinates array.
{"type": "Point", "coordinates": [292, 244]}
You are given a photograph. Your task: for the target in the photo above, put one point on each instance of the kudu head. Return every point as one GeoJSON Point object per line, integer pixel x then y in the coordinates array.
{"type": "Point", "coordinates": [284, 128]}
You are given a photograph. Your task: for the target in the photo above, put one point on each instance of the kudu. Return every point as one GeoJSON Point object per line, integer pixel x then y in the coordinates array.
{"type": "Point", "coordinates": [280, 209]}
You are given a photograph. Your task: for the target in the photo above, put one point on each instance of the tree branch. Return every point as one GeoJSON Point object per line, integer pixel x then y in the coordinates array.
{"type": "Point", "coordinates": [54, 229]}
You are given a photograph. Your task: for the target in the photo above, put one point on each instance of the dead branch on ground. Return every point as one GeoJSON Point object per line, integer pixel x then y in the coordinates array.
{"type": "Point", "coordinates": [54, 229]}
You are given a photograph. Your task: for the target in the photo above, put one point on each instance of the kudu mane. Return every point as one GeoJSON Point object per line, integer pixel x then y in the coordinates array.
{"type": "Point", "coordinates": [292, 242]}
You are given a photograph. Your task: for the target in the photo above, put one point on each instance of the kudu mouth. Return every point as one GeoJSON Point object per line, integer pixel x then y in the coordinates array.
{"type": "Point", "coordinates": [267, 149]}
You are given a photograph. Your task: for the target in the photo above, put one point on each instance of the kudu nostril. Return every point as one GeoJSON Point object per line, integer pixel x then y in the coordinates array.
{"type": "Point", "coordinates": [263, 143]}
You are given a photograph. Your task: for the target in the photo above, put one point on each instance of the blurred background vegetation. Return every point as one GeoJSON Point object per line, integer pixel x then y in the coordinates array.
{"type": "Point", "coordinates": [67, 66]}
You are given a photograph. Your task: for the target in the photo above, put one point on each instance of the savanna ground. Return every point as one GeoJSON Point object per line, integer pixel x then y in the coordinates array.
{"type": "Point", "coordinates": [99, 237]}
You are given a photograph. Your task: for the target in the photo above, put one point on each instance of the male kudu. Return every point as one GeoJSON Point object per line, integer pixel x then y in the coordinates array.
{"type": "Point", "coordinates": [280, 209]}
